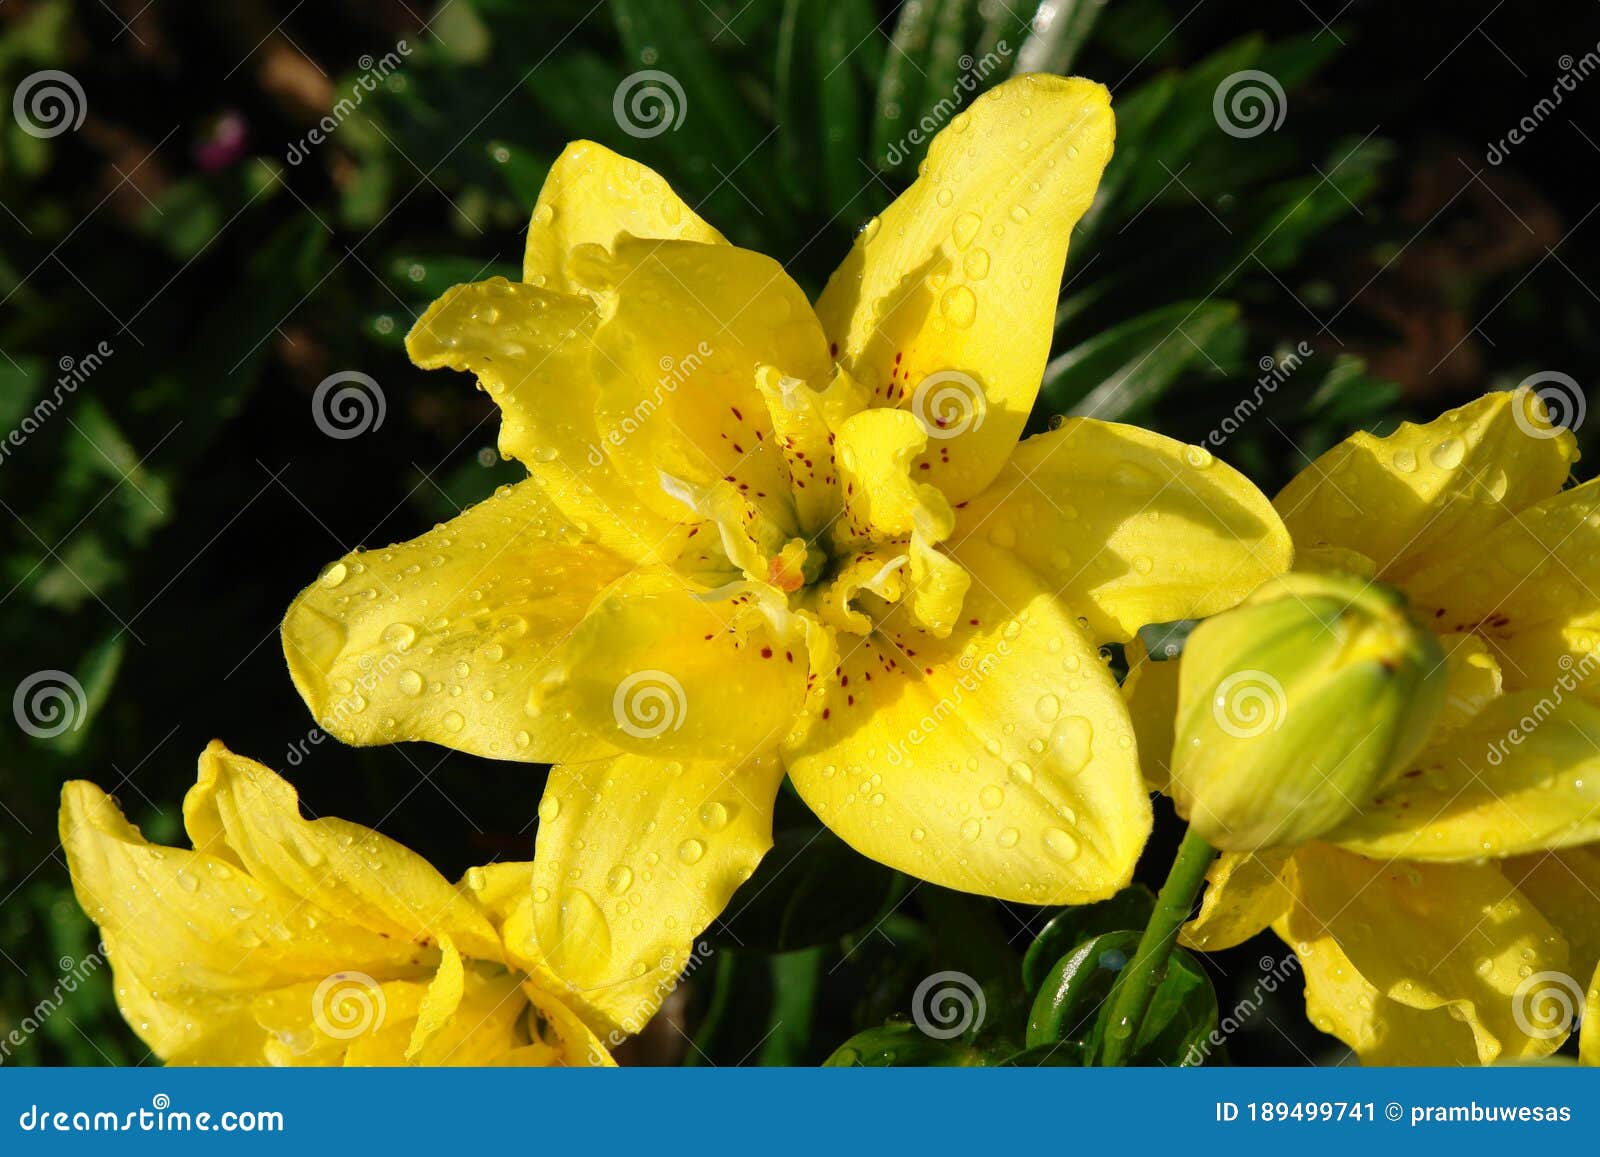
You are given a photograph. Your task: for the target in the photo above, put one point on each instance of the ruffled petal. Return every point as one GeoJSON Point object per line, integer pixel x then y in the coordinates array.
{"type": "Point", "coordinates": [1340, 1001]}
{"type": "Point", "coordinates": [635, 858]}
{"type": "Point", "coordinates": [1522, 776]}
{"type": "Point", "coordinates": [999, 760]}
{"type": "Point", "coordinates": [1427, 936]}
{"type": "Point", "coordinates": [1245, 894]}
{"type": "Point", "coordinates": [532, 350]}
{"type": "Point", "coordinates": [1130, 527]}
{"type": "Point", "coordinates": [1427, 492]}
{"type": "Point", "coordinates": [593, 196]}
{"type": "Point", "coordinates": [688, 327]}
{"type": "Point", "coordinates": [946, 303]}
{"type": "Point", "coordinates": [382, 646]}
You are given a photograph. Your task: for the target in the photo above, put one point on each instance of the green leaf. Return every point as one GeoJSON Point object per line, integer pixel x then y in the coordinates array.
{"type": "Point", "coordinates": [1054, 44]}
{"type": "Point", "coordinates": [1073, 1001]}
{"type": "Point", "coordinates": [1128, 909]}
{"type": "Point", "coordinates": [796, 980]}
{"type": "Point", "coordinates": [523, 172]}
{"type": "Point", "coordinates": [1123, 370]}
{"type": "Point", "coordinates": [428, 277]}
{"type": "Point", "coordinates": [1064, 1054]}
{"type": "Point", "coordinates": [810, 889]}
{"type": "Point", "coordinates": [902, 1046]}
{"type": "Point", "coordinates": [900, 84]}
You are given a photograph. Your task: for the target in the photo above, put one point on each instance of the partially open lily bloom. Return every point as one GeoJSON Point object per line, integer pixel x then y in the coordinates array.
{"type": "Point", "coordinates": [283, 941]}
{"type": "Point", "coordinates": [763, 536]}
{"type": "Point", "coordinates": [1454, 917]}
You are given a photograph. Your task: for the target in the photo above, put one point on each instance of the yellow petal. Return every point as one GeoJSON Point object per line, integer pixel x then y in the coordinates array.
{"type": "Point", "coordinates": [876, 451]}
{"type": "Point", "coordinates": [443, 998]}
{"type": "Point", "coordinates": [635, 858]}
{"type": "Point", "coordinates": [1429, 491]}
{"type": "Point", "coordinates": [1523, 776]}
{"type": "Point", "coordinates": [999, 760]}
{"type": "Point", "coordinates": [946, 303]}
{"type": "Point", "coordinates": [1429, 936]}
{"type": "Point", "coordinates": [360, 876]}
{"type": "Point", "coordinates": [1245, 894]}
{"type": "Point", "coordinates": [1151, 691]}
{"type": "Point", "coordinates": [806, 418]}
{"type": "Point", "coordinates": [1381, 1031]}
{"type": "Point", "coordinates": [1527, 586]}
{"type": "Point", "coordinates": [379, 644]}
{"type": "Point", "coordinates": [531, 350]}
{"type": "Point", "coordinates": [687, 328]}
{"type": "Point", "coordinates": [593, 196]}
{"type": "Point", "coordinates": [1130, 527]}
{"type": "Point", "coordinates": [1565, 886]}
{"type": "Point", "coordinates": [656, 670]}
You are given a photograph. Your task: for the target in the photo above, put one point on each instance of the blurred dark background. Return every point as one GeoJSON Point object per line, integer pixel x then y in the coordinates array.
{"type": "Point", "coordinates": [203, 280]}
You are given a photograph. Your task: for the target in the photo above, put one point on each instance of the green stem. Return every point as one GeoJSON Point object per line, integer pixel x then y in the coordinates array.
{"type": "Point", "coordinates": [1130, 999]}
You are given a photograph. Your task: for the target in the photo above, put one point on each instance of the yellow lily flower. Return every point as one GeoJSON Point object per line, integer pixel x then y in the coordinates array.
{"type": "Point", "coordinates": [1454, 917]}
{"type": "Point", "coordinates": [283, 941]}
{"type": "Point", "coordinates": [762, 537]}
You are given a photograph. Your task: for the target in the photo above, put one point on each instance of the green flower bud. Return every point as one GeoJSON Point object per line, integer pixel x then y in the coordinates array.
{"type": "Point", "coordinates": [1297, 707]}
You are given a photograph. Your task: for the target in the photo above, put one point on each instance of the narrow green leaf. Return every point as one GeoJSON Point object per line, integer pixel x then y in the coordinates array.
{"type": "Point", "coordinates": [901, 1045]}
{"type": "Point", "coordinates": [1058, 36]}
{"type": "Point", "coordinates": [1122, 370]}
{"type": "Point", "coordinates": [900, 85]}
